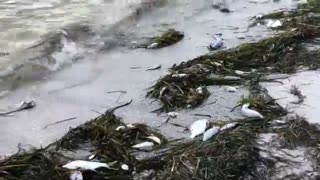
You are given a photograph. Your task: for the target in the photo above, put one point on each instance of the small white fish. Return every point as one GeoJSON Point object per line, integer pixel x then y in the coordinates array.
{"type": "Point", "coordinates": [179, 75]}
{"type": "Point", "coordinates": [130, 126]}
{"type": "Point", "coordinates": [120, 128]}
{"type": "Point", "coordinates": [153, 45]}
{"type": "Point", "coordinates": [274, 23]}
{"type": "Point", "coordinates": [76, 175]}
{"type": "Point", "coordinates": [125, 167]}
{"type": "Point", "coordinates": [143, 145]}
{"type": "Point", "coordinates": [249, 112]}
{"type": "Point", "coordinates": [155, 67]}
{"type": "Point", "coordinates": [210, 132]}
{"type": "Point", "coordinates": [217, 43]}
{"type": "Point", "coordinates": [198, 127]}
{"type": "Point", "coordinates": [84, 165]}
{"type": "Point", "coordinates": [259, 16]}
{"type": "Point", "coordinates": [231, 89]}
{"type": "Point", "coordinates": [199, 90]}
{"type": "Point", "coordinates": [154, 138]}
{"type": "Point", "coordinates": [172, 114]}
{"type": "Point", "coordinates": [238, 72]}
{"type": "Point", "coordinates": [162, 91]}
{"type": "Point", "coordinates": [228, 126]}
{"type": "Point", "coordinates": [92, 156]}
{"type": "Point", "coordinates": [217, 64]}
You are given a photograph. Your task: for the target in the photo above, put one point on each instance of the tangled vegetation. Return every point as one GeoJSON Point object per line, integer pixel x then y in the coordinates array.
{"type": "Point", "coordinates": [282, 53]}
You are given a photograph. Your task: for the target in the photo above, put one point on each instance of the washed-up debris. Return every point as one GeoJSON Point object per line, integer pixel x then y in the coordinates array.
{"type": "Point", "coordinates": [125, 167]}
{"type": "Point", "coordinates": [274, 23]}
{"type": "Point", "coordinates": [258, 16]}
{"type": "Point", "coordinates": [249, 112]}
{"type": "Point", "coordinates": [199, 90]}
{"type": "Point", "coordinates": [85, 165]}
{"type": "Point", "coordinates": [172, 114]}
{"type": "Point", "coordinates": [297, 92]}
{"type": "Point", "coordinates": [179, 75]}
{"type": "Point", "coordinates": [168, 38]}
{"type": "Point", "coordinates": [240, 73]}
{"type": "Point", "coordinates": [162, 91]}
{"type": "Point", "coordinates": [198, 127]}
{"type": "Point", "coordinates": [241, 37]}
{"type": "Point", "coordinates": [231, 89]}
{"type": "Point", "coordinates": [203, 115]}
{"type": "Point", "coordinates": [217, 42]}
{"type": "Point", "coordinates": [153, 46]}
{"type": "Point", "coordinates": [210, 132]}
{"type": "Point", "coordinates": [282, 53]}
{"type": "Point", "coordinates": [120, 128]}
{"type": "Point", "coordinates": [92, 156]}
{"type": "Point", "coordinates": [155, 139]}
{"type": "Point", "coordinates": [143, 145]}
{"type": "Point", "coordinates": [23, 106]}
{"type": "Point", "coordinates": [155, 67]}
{"type": "Point", "coordinates": [229, 126]}
{"type": "Point", "coordinates": [225, 10]}
{"type": "Point", "coordinates": [58, 122]}
{"type": "Point", "coordinates": [76, 175]}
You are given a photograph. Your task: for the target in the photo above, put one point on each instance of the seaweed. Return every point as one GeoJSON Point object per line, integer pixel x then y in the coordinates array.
{"type": "Point", "coordinates": [296, 92]}
{"type": "Point", "coordinates": [99, 137]}
{"type": "Point", "coordinates": [298, 132]}
{"type": "Point", "coordinates": [230, 155]}
{"type": "Point", "coordinates": [282, 53]}
{"type": "Point", "coordinates": [171, 36]}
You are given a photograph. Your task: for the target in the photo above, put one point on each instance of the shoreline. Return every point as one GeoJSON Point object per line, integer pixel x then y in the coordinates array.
{"type": "Point", "coordinates": [238, 145]}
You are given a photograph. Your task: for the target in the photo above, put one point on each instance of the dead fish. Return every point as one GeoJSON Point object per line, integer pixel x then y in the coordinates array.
{"type": "Point", "coordinates": [199, 90]}
{"type": "Point", "coordinates": [172, 114]}
{"type": "Point", "coordinates": [217, 64]}
{"type": "Point", "coordinates": [162, 91]}
{"type": "Point", "coordinates": [120, 128]}
{"type": "Point", "coordinates": [179, 75]}
{"type": "Point", "coordinates": [155, 67]}
{"type": "Point", "coordinates": [249, 112]}
{"type": "Point", "coordinates": [76, 175]}
{"type": "Point", "coordinates": [24, 106]}
{"type": "Point", "coordinates": [92, 156]}
{"type": "Point", "coordinates": [217, 43]}
{"type": "Point", "coordinates": [231, 89]}
{"type": "Point", "coordinates": [228, 126]}
{"type": "Point", "coordinates": [130, 126]}
{"type": "Point", "coordinates": [198, 127]}
{"type": "Point", "coordinates": [274, 23]}
{"type": "Point", "coordinates": [143, 145]}
{"type": "Point", "coordinates": [155, 139]}
{"type": "Point", "coordinates": [240, 73]}
{"type": "Point", "coordinates": [153, 46]}
{"type": "Point", "coordinates": [125, 167]}
{"type": "Point", "coordinates": [85, 165]}
{"type": "Point", "coordinates": [258, 16]}
{"type": "Point", "coordinates": [210, 132]}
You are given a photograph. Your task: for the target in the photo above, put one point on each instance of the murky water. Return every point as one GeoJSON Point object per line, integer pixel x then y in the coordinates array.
{"type": "Point", "coordinates": [69, 72]}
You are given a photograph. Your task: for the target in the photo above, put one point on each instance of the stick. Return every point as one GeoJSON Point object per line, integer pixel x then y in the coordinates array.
{"type": "Point", "coordinates": [204, 115]}
{"type": "Point", "coordinates": [58, 122]}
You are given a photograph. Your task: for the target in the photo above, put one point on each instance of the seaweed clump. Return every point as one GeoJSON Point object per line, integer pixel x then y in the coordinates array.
{"type": "Point", "coordinates": [299, 132]}
{"type": "Point", "coordinates": [230, 155]}
{"type": "Point", "coordinates": [283, 53]}
{"type": "Point", "coordinates": [168, 38]}
{"type": "Point", "coordinates": [106, 138]}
